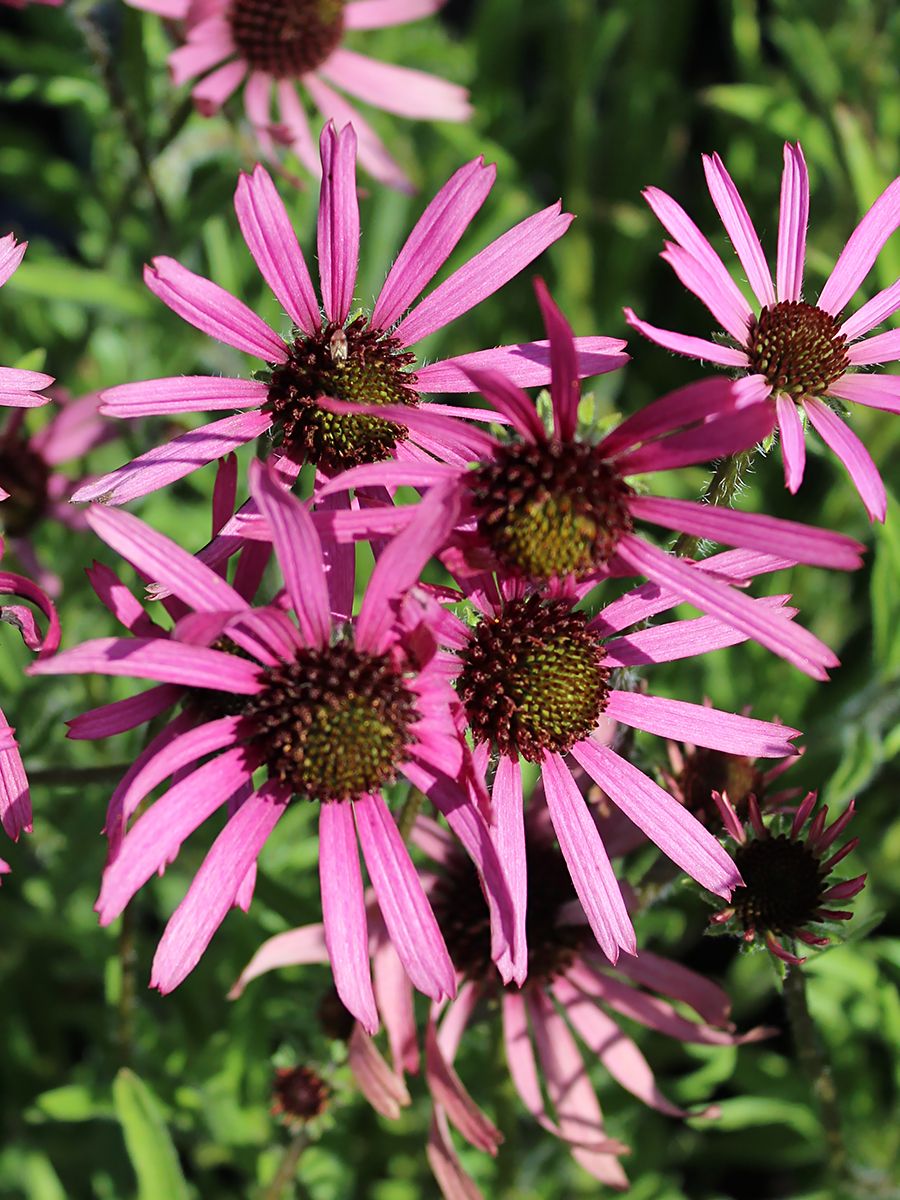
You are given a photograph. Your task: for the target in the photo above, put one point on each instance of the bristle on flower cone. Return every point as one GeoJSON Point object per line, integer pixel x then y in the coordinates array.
{"type": "Point", "coordinates": [286, 38]}
{"type": "Point", "coordinates": [798, 347]}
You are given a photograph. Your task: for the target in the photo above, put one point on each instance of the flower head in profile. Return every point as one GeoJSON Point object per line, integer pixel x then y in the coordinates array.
{"type": "Point", "coordinates": [552, 505]}
{"type": "Point", "coordinates": [279, 50]}
{"type": "Point", "coordinates": [331, 710]}
{"type": "Point", "coordinates": [18, 389]}
{"type": "Point", "coordinates": [799, 356]}
{"type": "Point", "coordinates": [786, 866]}
{"type": "Point", "coordinates": [33, 486]}
{"type": "Point", "coordinates": [358, 357]}
{"type": "Point", "coordinates": [15, 801]}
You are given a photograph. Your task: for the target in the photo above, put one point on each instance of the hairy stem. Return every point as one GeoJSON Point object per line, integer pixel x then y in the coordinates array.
{"type": "Point", "coordinates": [409, 812]}
{"type": "Point", "coordinates": [720, 491]}
{"type": "Point", "coordinates": [126, 1009]}
{"type": "Point", "coordinates": [815, 1066]}
{"type": "Point", "coordinates": [287, 1168]}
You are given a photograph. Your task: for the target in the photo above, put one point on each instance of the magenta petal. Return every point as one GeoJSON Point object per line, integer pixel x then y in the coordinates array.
{"type": "Point", "coordinates": [793, 442]}
{"type": "Point", "coordinates": [407, 914]}
{"type": "Point", "coordinates": [11, 255]}
{"type": "Point", "coordinates": [691, 347]}
{"type": "Point", "coordinates": [186, 393]}
{"type": "Point", "coordinates": [484, 274]}
{"type": "Point", "coordinates": [288, 949]}
{"type": "Point", "coordinates": [792, 223]}
{"type": "Point", "coordinates": [520, 1060]}
{"type": "Point", "coordinates": [702, 725]}
{"type": "Point", "coordinates": [215, 885]}
{"type": "Point", "coordinates": [510, 400]}
{"type": "Point", "coordinates": [685, 406]}
{"type": "Point", "coordinates": [373, 154]}
{"type": "Point", "coordinates": [875, 391]}
{"type": "Point", "coordinates": [299, 553]}
{"type": "Point", "coordinates": [718, 437]}
{"type": "Point", "coordinates": [387, 474]}
{"type": "Point", "coordinates": [401, 90]}
{"type": "Point", "coordinates": [212, 310]}
{"type": "Point", "coordinates": [448, 1090]}
{"type": "Point", "coordinates": [344, 912]}
{"type": "Point", "coordinates": [161, 560]}
{"type": "Point", "coordinates": [157, 835]}
{"type": "Point", "coordinates": [883, 348]}
{"type": "Point", "coordinates": [377, 14]}
{"type": "Point", "coordinates": [338, 228]}
{"type": "Point", "coordinates": [122, 715]}
{"type": "Point", "coordinates": [564, 390]}
{"type": "Point", "coordinates": [452, 1179]}
{"type": "Point", "coordinates": [525, 365]}
{"type": "Point", "coordinates": [707, 287]}
{"type": "Point", "coordinates": [383, 1089]}
{"type": "Point", "coordinates": [670, 978]}
{"type": "Point", "coordinates": [736, 220]}
{"type": "Point", "coordinates": [270, 237]}
{"type": "Point", "coordinates": [882, 305]}
{"type": "Point", "coordinates": [862, 249]}
{"type": "Point", "coordinates": [587, 860]}
{"type": "Point", "coordinates": [394, 994]}
{"type": "Point", "coordinates": [155, 658]}
{"type": "Point", "coordinates": [509, 826]}
{"type": "Point", "coordinates": [427, 421]}
{"type": "Point", "coordinates": [15, 802]}
{"type": "Point", "coordinates": [840, 438]}
{"type": "Point", "coordinates": [666, 823]}
{"type": "Point", "coordinates": [164, 464]}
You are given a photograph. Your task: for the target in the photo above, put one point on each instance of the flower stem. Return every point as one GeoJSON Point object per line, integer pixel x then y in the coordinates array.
{"type": "Point", "coordinates": [409, 812]}
{"type": "Point", "coordinates": [287, 1168]}
{"type": "Point", "coordinates": [720, 491]}
{"type": "Point", "coordinates": [126, 951]}
{"type": "Point", "coordinates": [814, 1064]}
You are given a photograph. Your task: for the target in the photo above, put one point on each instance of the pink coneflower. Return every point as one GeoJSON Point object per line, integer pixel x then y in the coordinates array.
{"type": "Point", "coordinates": [795, 354]}
{"type": "Point", "coordinates": [283, 47]}
{"type": "Point", "coordinates": [15, 802]}
{"type": "Point", "coordinates": [332, 711]}
{"type": "Point", "coordinates": [22, 4]}
{"type": "Point", "coordinates": [571, 989]}
{"type": "Point", "coordinates": [32, 487]}
{"type": "Point", "coordinates": [543, 506]}
{"type": "Point", "coordinates": [18, 389]}
{"type": "Point", "coordinates": [786, 864]}
{"type": "Point", "coordinates": [360, 358]}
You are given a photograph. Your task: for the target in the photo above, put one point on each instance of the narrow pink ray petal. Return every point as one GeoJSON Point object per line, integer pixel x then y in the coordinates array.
{"type": "Point", "coordinates": [841, 439]}
{"type": "Point", "coordinates": [771, 629]}
{"type": "Point", "coordinates": [884, 347]}
{"type": "Point", "coordinates": [159, 558]}
{"type": "Point", "coordinates": [404, 906]}
{"type": "Point", "coordinates": [452, 1179]}
{"type": "Point", "coordinates": [11, 255]}
{"type": "Point", "coordinates": [666, 823]}
{"type": "Point", "coordinates": [212, 310]}
{"type": "Point", "coordinates": [184, 454]}
{"type": "Point", "coordinates": [122, 715]}
{"type": "Point", "coordinates": [299, 553]}
{"type": "Point", "coordinates": [291, 948]}
{"type": "Point", "coordinates": [704, 726]}
{"type": "Point", "coordinates": [76, 429]}
{"type": "Point", "coordinates": [862, 249]}
{"type": "Point", "coordinates": [155, 658]}
{"type": "Point", "coordinates": [448, 1090]}
{"type": "Point", "coordinates": [383, 1089]}
{"type": "Point", "coordinates": [400, 90]}
{"type": "Point", "coordinates": [373, 154]}
{"type": "Point", "coordinates": [344, 912]}
{"type": "Point", "coordinates": [22, 618]}
{"type": "Point", "coordinates": [672, 217]}
{"type": "Point", "coordinates": [212, 92]}
{"type": "Point", "coordinates": [616, 1051]}
{"type": "Point", "coordinates": [433, 239]}
{"type": "Point", "coordinates": [13, 379]}
{"type": "Point", "coordinates": [509, 837]}
{"type": "Point", "coordinates": [739, 227]}
{"type": "Point", "coordinates": [685, 406]}
{"type": "Point", "coordinates": [587, 860]}
{"type": "Point", "coordinates": [377, 14]}
{"type": "Point", "coordinates": [695, 276]}
{"type": "Point", "coordinates": [425, 420]}
{"type": "Point", "coordinates": [792, 222]}
{"type": "Point", "coordinates": [23, 399]}
{"type": "Point", "coordinates": [338, 226]}
{"type": "Point", "coordinates": [15, 802]}
{"type": "Point", "coordinates": [802, 543]}
{"type": "Point", "coordinates": [484, 274]}
{"type": "Point", "coordinates": [394, 995]}
{"type": "Point", "coordinates": [270, 238]}
{"type": "Point", "coordinates": [521, 1062]}
{"type": "Point", "coordinates": [400, 565]}
{"type": "Point", "coordinates": [213, 889]}
{"type": "Point", "coordinates": [526, 365]}
{"type": "Point", "coordinates": [293, 118]}
{"type": "Point", "coordinates": [389, 474]}
{"type": "Point", "coordinates": [665, 975]}
{"type": "Point", "coordinates": [875, 391]}
{"type": "Point", "coordinates": [208, 44]}
{"type": "Point", "coordinates": [339, 561]}
{"type": "Point", "coordinates": [510, 400]}
{"type": "Point", "coordinates": [793, 442]}
{"type": "Point", "coordinates": [224, 497]}
{"type": "Point", "coordinates": [565, 392]}
{"type": "Point", "coordinates": [157, 835]}
{"type": "Point", "coordinates": [718, 437]}
{"type": "Point", "coordinates": [692, 347]}
{"type": "Point", "coordinates": [882, 305]}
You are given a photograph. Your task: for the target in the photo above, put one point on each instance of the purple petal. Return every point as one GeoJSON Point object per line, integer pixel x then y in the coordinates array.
{"type": "Point", "coordinates": [793, 442]}
{"type": "Point", "coordinates": [718, 437]}
{"type": "Point", "coordinates": [526, 365]}
{"type": "Point", "coordinates": [377, 14]}
{"type": "Point", "coordinates": [739, 227]}
{"type": "Point", "coordinates": [684, 406]}
{"type": "Point", "coordinates": [15, 803]}
{"type": "Point", "coordinates": [564, 390]}
{"type": "Point", "coordinates": [841, 439]}
{"type": "Point", "coordinates": [704, 726]}
{"type": "Point", "coordinates": [212, 310]}
{"type": "Point", "coordinates": [862, 249]}
{"type": "Point", "coordinates": [708, 288]}
{"type": "Point", "coordinates": [299, 553]}
{"type": "Point", "coordinates": [407, 914]}
{"type": "Point", "coordinates": [666, 823]}
{"type": "Point", "coordinates": [292, 948]}
{"type": "Point", "coordinates": [401, 90]}
{"type": "Point", "coordinates": [11, 255]}
{"type": "Point", "coordinates": [155, 658]}
{"type": "Point", "coordinates": [692, 347]}
{"type": "Point", "coordinates": [344, 912]}
{"type": "Point", "coordinates": [215, 885]}
{"type": "Point", "coordinates": [509, 834]}
{"type": "Point", "coordinates": [587, 860]}
{"type": "Point", "coordinates": [484, 274]}
{"type": "Point", "coordinates": [882, 305]}
{"type": "Point", "coordinates": [338, 228]}
{"type": "Point", "coordinates": [448, 1090]}
{"type": "Point", "coordinates": [875, 391]}
{"type": "Point", "coordinates": [510, 400]}
{"type": "Point", "coordinates": [427, 420]}
{"type": "Point", "coordinates": [187, 393]}
{"type": "Point", "coordinates": [122, 715]}
{"type": "Point", "coordinates": [885, 347]}
{"type": "Point", "coordinates": [792, 222]}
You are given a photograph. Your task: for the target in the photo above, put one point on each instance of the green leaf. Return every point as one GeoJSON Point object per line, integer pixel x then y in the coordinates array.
{"type": "Point", "coordinates": [149, 1145]}
{"type": "Point", "coordinates": [72, 1102]}
{"type": "Point", "coordinates": [742, 1112]}
{"type": "Point", "coordinates": [885, 592]}
{"type": "Point", "coordinates": [57, 280]}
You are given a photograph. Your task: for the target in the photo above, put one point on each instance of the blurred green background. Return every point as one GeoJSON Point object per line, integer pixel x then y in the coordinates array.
{"type": "Point", "coordinates": [582, 99]}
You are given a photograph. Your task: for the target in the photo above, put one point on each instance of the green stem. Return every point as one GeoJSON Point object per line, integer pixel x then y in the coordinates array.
{"type": "Point", "coordinates": [409, 812]}
{"type": "Point", "coordinates": [126, 951]}
{"type": "Point", "coordinates": [814, 1064]}
{"type": "Point", "coordinates": [720, 491]}
{"type": "Point", "coordinates": [287, 1168]}
{"type": "Point", "coordinates": [77, 776]}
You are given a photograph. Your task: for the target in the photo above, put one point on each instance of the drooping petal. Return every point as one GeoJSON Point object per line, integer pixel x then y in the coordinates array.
{"type": "Point", "coordinates": [338, 226]}
{"type": "Point", "coordinates": [291, 948]}
{"type": "Point", "coordinates": [15, 802]}
{"type": "Point", "coordinates": [509, 835]}
{"type": "Point", "coordinates": [862, 249]}
{"type": "Point", "coordinates": [691, 347]}
{"type": "Point", "coordinates": [587, 860]}
{"type": "Point", "coordinates": [212, 92]}
{"type": "Point", "coordinates": [736, 219]}
{"type": "Point", "coordinates": [455, 1183]}
{"type": "Point", "coordinates": [271, 239]}
{"type": "Point", "coordinates": [666, 823]}
{"type": "Point", "coordinates": [793, 442]}
{"type": "Point", "coordinates": [212, 310]}
{"type": "Point", "coordinates": [122, 715]}
{"type": "Point", "coordinates": [344, 912]}
{"type": "Point", "coordinates": [215, 885]}
{"type": "Point", "coordinates": [702, 725]}
{"type": "Point", "coordinates": [841, 439]}
{"type": "Point", "coordinates": [383, 1088]}
{"type": "Point", "coordinates": [373, 154]}
{"type": "Point", "coordinates": [155, 658]}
